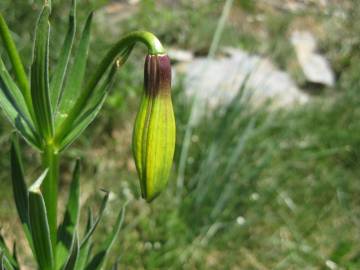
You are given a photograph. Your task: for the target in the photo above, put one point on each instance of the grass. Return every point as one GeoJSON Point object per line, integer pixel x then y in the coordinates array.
{"type": "Point", "coordinates": [262, 190]}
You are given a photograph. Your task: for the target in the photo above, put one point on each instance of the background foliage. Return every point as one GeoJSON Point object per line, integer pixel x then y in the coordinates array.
{"type": "Point", "coordinates": [263, 191]}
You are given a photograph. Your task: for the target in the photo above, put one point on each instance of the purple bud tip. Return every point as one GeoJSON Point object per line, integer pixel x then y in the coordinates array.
{"type": "Point", "coordinates": [157, 75]}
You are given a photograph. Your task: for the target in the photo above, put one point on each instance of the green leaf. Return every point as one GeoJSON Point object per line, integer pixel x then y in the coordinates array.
{"type": "Point", "coordinates": [99, 259]}
{"type": "Point", "coordinates": [90, 112]}
{"type": "Point", "coordinates": [67, 229]}
{"type": "Point", "coordinates": [18, 66]}
{"type": "Point", "coordinates": [57, 81]}
{"type": "Point", "coordinates": [39, 226]}
{"type": "Point", "coordinates": [40, 76]}
{"type": "Point", "coordinates": [5, 263]}
{"type": "Point", "coordinates": [76, 74]}
{"type": "Point", "coordinates": [85, 249]}
{"type": "Point", "coordinates": [14, 108]}
{"type": "Point", "coordinates": [85, 245]}
{"type": "Point", "coordinates": [90, 232]}
{"type": "Point", "coordinates": [74, 252]}
{"type": "Point", "coordinates": [95, 103]}
{"type": "Point", "coordinates": [19, 187]}
{"type": "Point", "coordinates": [6, 253]}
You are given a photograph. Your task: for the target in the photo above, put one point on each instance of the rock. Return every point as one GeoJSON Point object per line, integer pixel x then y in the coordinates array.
{"type": "Point", "coordinates": [179, 55]}
{"type": "Point", "coordinates": [315, 67]}
{"type": "Point", "coordinates": [217, 81]}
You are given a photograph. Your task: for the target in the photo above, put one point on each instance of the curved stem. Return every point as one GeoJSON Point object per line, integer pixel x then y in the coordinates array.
{"type": "Point", "coordinates": [151, 42]}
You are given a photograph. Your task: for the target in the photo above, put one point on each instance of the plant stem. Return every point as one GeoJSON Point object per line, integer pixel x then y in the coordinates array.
{"type": "Point", "coordinates": [50, 161]}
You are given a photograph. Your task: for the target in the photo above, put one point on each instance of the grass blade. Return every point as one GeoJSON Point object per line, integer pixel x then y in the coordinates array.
{"type": "Point", "coordinates": [57, 81]}
{"type": "Point", "coordinates": [76, 74]}
{"type": "Point", "coordinates": [67, 229]}
{"type": "Point", "coordinates": [40, 227]}
{"type": "Point", "coordinates": [40, 76]}
{"type": "Point", "coordinates": [99, 259]}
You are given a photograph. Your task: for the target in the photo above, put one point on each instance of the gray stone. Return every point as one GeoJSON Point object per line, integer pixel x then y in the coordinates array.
{"type": "Point", "coordinates": [315, 67]}
{"type": "Point", "coordinates": [217, 81]}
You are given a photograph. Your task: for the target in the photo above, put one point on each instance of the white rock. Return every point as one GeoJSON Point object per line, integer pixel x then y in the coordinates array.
{"type": "Point", "coordinates": [315, 67]}
{"type": "Point", "coordinates": [217, 81]}
{"type": "Point", "coordinates": [179, 55]}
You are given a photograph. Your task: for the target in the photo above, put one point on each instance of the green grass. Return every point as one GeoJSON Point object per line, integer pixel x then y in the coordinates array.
{"type": "Point", "coordinates": [262, 190]}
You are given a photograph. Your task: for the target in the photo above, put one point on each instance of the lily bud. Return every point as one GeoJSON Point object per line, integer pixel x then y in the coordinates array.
{"type": "Point", "coordinates": [154, 130]}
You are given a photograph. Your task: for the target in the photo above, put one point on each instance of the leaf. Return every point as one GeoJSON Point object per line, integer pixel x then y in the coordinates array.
{"type": "Point", "coordinates": [39, 226]}
{"type": "Point", "coordinates": [76, 74]}
{"type": "Point", "coordinates": [94, 225]}
{"type": "Point", "coordinates": [99, 259]}
{"type": "Point", "coordinates": [40, 77]}
{"type": "Point", "coordinates": [17, 65]}
{"type": "Point", "coordinates": [85, 245]}
{"type": "Point", "coordinates": [14, 108]}
{"type": "Point", "coordinates": [67, 229]}
{"type": "Point", "coordinates": [6, 253]}
{"type": "Point", "coordinates": [85, 249]}
{"type": "Point", "coordinates": [19, 187]}
{"type": "Point", "coordinates": [74, 252]}
{"type": "Point", "coordinates": [90, 112]}
{"type": "Point", "coordinates": [5, 263]}
{"type": "Point", "coordinates": [95, 102]}
{"type": "Point", "coordinates": [58, 78]}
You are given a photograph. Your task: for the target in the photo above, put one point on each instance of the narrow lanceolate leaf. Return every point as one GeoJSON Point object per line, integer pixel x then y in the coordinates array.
{"type": "Point", "coordinates": [83, 256]}
{"type": "Point", "coordinates": [6, 253]}
{"type": "Point", "coordinates": [85, 245]}
{"type": "Point", "coordinates": [40, 76]}
{"type": "Point", "coordinates": [90, 232]}
{"type": "Point", "coordinates": [13, 105]}
{"type": "Point", "coordinates": [95, 103]}
{"type": "Point", "coordinates": [76, 74]}
{"type": "Point", "coordinates": [67, 229]}
{"type": "Point", "coordinates": [40, 227]}
{"type": "Point", "coordinates": [18, 66]}
{"type": "Point", "coordinates": [90, 112]}
{"type": "Point", "coordinates": [19, 187]}
{"type": "Point", "coordinates": [73, 255]}
{"type": "Point", "coordinates": [99, 259]}
{"type": "Point", "coordinates": [57, 81]}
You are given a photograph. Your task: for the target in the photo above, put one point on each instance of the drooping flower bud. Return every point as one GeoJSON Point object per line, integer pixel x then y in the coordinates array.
{"type": "Point", "coordinates": [154, 130]}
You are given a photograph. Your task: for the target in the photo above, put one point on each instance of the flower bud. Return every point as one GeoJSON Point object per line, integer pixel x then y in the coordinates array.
{"type": "Point", "coordinates": [154, 130]}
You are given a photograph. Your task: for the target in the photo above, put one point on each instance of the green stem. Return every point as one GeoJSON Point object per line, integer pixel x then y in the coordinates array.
{"type": "Point", "coordinates": [151, 42]}
{"type": "Point", "coordinates": [50, 161]}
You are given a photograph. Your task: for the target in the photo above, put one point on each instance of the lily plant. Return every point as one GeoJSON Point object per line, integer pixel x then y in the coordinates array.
{"type": "Point", "coordinates": [49, 109]}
